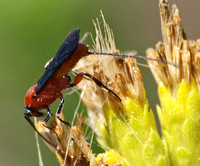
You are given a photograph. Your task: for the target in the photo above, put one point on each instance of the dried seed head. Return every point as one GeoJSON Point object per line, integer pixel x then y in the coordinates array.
{"type": "Point", "coordinates": [175, 49]}
{"type": "Point", "coordinates": [70, 145]}
{"type": "Point", "coordinates": [121, 75]}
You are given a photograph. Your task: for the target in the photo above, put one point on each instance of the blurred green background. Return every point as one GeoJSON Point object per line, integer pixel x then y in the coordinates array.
{"type": "Point", "coordinates": [32, 31]}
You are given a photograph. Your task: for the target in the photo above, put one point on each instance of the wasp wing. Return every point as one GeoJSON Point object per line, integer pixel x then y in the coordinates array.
{"type": "Point", "coordinates": [65, 51]}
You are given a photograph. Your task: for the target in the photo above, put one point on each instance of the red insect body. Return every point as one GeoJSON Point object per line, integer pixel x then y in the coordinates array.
{"type": "Point", "coordinates": [48, 95]}
{"type": "Point", "coordinates": [56, 84]}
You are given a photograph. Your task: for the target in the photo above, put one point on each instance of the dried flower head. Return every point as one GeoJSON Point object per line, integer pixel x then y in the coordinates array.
{"type": "Point", "coordinates": [68, 144]}
{"type": "Point", "coordinates": [121, 75]}
{"type": "Point", "coordinates": [175, 49]}
{"type": "Point", "coordinates": [178, 88]}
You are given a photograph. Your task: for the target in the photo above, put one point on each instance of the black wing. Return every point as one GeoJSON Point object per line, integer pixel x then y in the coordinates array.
{"type": "Point", "coordinates": [65, 51]}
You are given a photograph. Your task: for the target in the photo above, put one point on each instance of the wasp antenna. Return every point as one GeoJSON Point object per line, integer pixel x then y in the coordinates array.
{"type": "Point", "coordinates": [134, 56]}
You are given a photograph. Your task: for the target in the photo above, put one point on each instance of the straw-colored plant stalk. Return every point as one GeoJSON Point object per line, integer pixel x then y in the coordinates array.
{"type": "Point", "coordinates": [126, 129]}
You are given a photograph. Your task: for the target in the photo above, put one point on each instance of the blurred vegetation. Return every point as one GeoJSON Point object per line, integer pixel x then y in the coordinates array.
{"type": "Point", "coordinates": [30, 34]}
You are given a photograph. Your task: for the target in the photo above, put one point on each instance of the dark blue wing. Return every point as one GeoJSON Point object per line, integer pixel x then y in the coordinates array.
{"type": "Point", "coordinates": [65, 51]}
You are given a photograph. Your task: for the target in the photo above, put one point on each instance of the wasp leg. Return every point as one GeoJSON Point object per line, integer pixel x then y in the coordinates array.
{"type": "Point", "coordinates": [48, 115]}
{"type": "Point", "coordinates": [46, 119]}
{"type": "Point", "coordinates": [59, 110]}
{"type": "Point", "coordinates": [81, 75]}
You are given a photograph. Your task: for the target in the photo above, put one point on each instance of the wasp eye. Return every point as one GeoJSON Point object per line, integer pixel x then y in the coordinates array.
{"type": "Point", "coordinates": [34, 96]}
{"type": "Point", "coordinates": [27, 111]}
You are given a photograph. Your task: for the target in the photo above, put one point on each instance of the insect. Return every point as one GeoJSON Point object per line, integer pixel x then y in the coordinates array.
{"type": "Point", "coordinates": [55, 78]}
